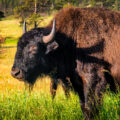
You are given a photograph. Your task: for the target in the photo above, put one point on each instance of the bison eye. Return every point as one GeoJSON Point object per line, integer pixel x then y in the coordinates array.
{"type": "Point", "coordinates": [33, 49]}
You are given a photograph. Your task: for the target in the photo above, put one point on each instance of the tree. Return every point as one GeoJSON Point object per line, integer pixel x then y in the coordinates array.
{"type": "Point", "coordinates": [108, 3]}
{"type": "Point", "coordinates": [28, 11]}
{"type": "Point", "coordinates": [5, 3]}
{"type": "Point", "coordinates": [85, 2]}
{"type": "Point", "coordinates": [116, 5]}
{"type": "Point", "coordinates": [92, 3]}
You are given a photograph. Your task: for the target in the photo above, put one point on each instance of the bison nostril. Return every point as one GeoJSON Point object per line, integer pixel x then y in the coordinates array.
{"type": "Point", "coordinates": [16, 73]}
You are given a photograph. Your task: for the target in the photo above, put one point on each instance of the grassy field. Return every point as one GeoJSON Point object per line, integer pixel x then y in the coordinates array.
{"type": "Point", "coordinates": [16, 103]}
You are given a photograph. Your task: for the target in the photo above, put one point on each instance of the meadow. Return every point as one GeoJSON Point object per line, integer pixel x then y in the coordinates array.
{"type": "Point", "coordinates": [16, 103]}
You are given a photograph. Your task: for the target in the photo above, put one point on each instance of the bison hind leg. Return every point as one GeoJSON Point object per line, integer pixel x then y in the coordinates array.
{"type": "Point", "coordinates": [94, 95]}
{"type": "Point", "coordinates": [111, 81]}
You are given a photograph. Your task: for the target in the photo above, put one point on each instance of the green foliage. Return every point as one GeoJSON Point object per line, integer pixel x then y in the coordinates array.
{"type": "Point", "coordinates": [116, 5]}
{"type": "Point", "coordinates": [26, 11]}
{"type": "Point", "coordinates": [21, 11]}
{"type": "Point", "coordinates": [84, 3]}
{"type": "Point", "coordinates": [108, 3]}
{"type": "Point", "coordinates": [48, 5]}
{"type": "Point", "coordinates": [92, 3]}
{"type": "Point", "coordinates": [34, 17]}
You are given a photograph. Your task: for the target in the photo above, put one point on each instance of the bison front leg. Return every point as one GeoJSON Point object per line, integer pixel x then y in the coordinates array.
{"type": "Point", "coordinates": [93, 92]}
{"type": "Point", "coordinates": [67, 86]}
{"type": "Point", "coordinates": [53, 87]}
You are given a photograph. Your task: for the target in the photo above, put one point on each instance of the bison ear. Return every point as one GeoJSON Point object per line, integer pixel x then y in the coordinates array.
{"type": "Point", "coordinates": [51, 47]}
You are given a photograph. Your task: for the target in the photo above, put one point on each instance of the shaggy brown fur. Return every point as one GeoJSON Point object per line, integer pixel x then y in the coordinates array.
{"type": "Point", "coordinates": [89, 26]}
{"type": "Point", "coordinates": [96, 33]}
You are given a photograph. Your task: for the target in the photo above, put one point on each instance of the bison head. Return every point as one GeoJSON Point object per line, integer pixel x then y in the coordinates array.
{"type": "Point", "coordinates": [33, 54]}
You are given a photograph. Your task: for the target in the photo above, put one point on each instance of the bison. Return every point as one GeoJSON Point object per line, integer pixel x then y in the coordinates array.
{"type": "Point", "coordinates": [82, 44]}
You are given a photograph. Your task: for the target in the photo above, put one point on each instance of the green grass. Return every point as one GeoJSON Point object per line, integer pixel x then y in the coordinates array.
{"type": "Point", "coordinates": [11, 41]}
{"type": "Point", "coordinates": [18, 105]}
{"type": "Point", "coordinates": [11, 29]}
{"type": "Point", "coordinates": [111, 107]}
{"type": "Point", "coordinates": [39, 106]}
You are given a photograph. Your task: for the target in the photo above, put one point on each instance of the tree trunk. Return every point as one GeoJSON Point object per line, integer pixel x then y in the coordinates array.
{"type": "Point", "coordinates": [35, 10]}
{"type": "Point", "coordinates": [53, 4]}
{"type": "Point", "coordinates": [35, 7]}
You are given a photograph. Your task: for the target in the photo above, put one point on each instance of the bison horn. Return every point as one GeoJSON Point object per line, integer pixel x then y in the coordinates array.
{"type": "Point", "coordinates": [24, 27]}
{"type": "Point", "coordinates": [48, 38]}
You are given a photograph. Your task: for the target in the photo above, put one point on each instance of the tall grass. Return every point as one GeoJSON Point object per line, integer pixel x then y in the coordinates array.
{"type": "Point", "coordinates": [39, 106]}
{"type": "Point", "coordinates": [16, 103]}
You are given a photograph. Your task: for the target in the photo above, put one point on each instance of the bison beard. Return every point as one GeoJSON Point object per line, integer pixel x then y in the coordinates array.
{"type": "Point", "coordinates": [84, 44]}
